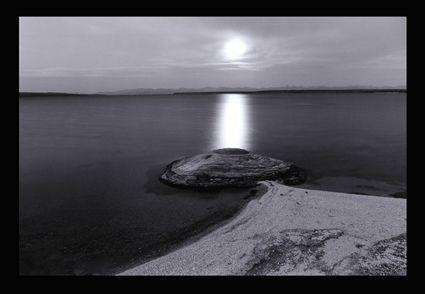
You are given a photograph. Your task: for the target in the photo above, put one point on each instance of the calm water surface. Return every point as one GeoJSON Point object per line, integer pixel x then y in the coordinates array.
{"type": "Point", "coordinates": [90, 201]}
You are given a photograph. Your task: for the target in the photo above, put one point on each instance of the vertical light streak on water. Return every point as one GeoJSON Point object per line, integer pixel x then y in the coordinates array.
{"type": "Point", "coordinates": [232, 130]}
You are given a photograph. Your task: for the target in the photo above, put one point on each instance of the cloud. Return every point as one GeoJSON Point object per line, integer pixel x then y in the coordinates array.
{"type": "Point", "coordinates": [187, 52]}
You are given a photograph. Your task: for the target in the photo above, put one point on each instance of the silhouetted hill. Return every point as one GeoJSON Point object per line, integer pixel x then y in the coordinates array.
{"type": "Point", "coordinates": [38, 94]}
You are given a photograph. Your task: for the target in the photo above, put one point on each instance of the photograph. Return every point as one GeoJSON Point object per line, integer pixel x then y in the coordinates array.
{"type": "Point", "coordinates": [212, 146]}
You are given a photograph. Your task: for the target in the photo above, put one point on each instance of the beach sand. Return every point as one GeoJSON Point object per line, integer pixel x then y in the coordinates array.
{"type": "Point", "coordinates": [294, 231]}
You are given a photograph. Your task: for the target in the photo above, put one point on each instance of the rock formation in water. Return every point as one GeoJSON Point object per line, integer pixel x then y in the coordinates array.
{"type": "Point", "coordinates": [230, 167]}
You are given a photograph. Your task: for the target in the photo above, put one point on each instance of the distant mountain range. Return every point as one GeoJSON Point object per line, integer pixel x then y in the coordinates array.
{"type": "Point", "coordinates": [167, 91]}
{"type": "Point", "coordinates": [144, 91]}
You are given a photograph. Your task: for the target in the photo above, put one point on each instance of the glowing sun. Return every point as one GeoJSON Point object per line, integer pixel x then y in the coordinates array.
{"type": "Point", "coordinates": [235, 49]}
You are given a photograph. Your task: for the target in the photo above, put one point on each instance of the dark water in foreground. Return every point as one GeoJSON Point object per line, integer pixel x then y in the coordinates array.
{"type": "Point", "coordinates": [90, 201]}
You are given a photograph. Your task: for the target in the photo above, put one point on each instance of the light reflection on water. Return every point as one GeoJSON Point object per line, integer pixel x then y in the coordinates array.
{"type": "Point", "coordinates": [232, 127]}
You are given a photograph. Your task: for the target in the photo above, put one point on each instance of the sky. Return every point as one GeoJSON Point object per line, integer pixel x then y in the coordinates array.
{"type": "Point", "coordinates": [92, 54]}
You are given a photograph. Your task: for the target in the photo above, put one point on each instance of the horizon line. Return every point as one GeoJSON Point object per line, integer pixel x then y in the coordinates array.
{"type": "Point", "coordinates": [229, 91]}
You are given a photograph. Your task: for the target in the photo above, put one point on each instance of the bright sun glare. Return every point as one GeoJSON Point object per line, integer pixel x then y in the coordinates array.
{"type": "Point", "coordinates": [235, 49]}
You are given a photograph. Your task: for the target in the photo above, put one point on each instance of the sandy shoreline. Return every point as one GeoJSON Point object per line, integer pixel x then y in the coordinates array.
{"type": "Point", "coordinates": [293, 231]}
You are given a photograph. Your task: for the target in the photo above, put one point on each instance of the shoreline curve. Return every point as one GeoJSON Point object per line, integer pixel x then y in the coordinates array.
{"type": "Point", "coordinates": [295, 231]}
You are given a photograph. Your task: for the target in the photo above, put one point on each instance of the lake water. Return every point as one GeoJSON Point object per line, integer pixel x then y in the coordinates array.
{"type": "Point", "coordinates": [89, 197]}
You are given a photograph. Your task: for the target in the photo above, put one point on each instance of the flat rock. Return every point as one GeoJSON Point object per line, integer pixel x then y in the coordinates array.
{"type": "Point", "coordinates": [230, 167]}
